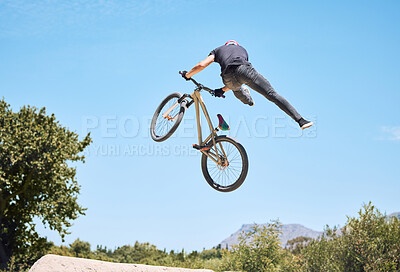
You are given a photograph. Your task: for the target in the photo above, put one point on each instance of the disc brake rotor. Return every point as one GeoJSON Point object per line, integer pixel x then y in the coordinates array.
{"type": "Point", "coordinates": [223, 164]}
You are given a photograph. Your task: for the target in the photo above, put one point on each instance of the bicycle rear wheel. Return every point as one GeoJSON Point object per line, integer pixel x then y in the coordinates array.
{"type": "Point", "coordinates": [230, 173]}
{"type": "Point", "coordinates": [167, 117]}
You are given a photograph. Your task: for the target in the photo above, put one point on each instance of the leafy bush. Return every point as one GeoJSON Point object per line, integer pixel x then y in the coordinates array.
{"type": "Point", "coordinates": [368, 243]}
{"type": "Point", "coordinates": [258, 250]}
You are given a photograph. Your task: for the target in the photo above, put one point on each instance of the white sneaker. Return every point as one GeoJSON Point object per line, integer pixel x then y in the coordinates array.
{"type": "Point", "coordinates": [305, 124]}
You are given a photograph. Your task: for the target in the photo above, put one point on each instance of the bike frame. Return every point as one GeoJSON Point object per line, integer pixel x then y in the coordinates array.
{"type": "Point", "coordinates": [199, 103]}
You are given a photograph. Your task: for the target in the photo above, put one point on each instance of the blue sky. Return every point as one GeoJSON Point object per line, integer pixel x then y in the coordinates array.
{"type": "Point", "coordinates": [104, 66]}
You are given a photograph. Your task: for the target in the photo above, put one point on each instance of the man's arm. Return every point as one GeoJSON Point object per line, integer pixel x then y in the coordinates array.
{"type": "Point", "coordinates": [200, 66]}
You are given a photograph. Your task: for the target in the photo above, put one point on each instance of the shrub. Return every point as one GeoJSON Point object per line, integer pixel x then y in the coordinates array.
{"type": "Point", "coordinates": [368, 243]}
{"type": "Point", "coordinates": [257, 250]}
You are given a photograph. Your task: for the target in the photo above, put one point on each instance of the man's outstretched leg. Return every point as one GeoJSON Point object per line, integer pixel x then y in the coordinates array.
{"type": "Point", "coordinates": [261, 85]}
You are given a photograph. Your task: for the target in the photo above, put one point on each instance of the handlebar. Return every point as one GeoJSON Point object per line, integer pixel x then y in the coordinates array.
{"type": "Point", "coordinates": [201, 86]}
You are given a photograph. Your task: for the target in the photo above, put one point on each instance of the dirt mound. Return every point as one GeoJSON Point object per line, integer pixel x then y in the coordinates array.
{"type": "Point", "coordinates": [54, 263]}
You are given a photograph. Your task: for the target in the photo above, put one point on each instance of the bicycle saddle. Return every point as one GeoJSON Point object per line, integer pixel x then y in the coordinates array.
{"type": "Point", "coordinates": [222, 124]}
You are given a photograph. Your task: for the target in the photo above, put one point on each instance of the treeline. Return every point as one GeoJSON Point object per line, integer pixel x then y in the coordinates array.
{"type": "Point", "coordinates": [369, 242]}
{"type": "Point", "coordinates": [142, 253]}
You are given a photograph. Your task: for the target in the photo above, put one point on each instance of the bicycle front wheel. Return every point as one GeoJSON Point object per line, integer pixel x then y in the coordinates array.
{"type": "Point", "coordinates": [229, 172]}
{"type": "Point", "coordinates": [167, 117]}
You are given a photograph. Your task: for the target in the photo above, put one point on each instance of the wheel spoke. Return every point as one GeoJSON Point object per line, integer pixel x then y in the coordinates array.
{"type": "Point", "coordinates": [226, 175]}
{"type": "Point", "coordinates": [164, 125]}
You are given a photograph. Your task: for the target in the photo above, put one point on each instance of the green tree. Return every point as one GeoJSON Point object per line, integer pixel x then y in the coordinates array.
{"type": "Point", "coordinates": [368, 243]}
{"type": "Point", "coordinates": [258, 250]}
{"type": "Point", "coordinates": [35, 180]}
{"type": "Point", "coordinates": [323, 254]}
{"type": "Point", "coordinates": [144, 253]}
{"type": "Point", "coordinates": [61, 251]}
{"type": "Point", "coordinates": [81, 248]}
{"type": "Point", "coordinates": [295, 245]}
{"type": "Point", "coordinates": [214, 253]}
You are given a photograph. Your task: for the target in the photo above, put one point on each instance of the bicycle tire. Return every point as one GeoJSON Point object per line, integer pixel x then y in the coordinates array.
{"type": "Point", "coordinates": [241, 177]}
{"type": "Point", "coordinates": [171, 130]}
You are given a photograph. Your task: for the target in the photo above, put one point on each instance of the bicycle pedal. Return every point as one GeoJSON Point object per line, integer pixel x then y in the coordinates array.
{"type": "Point", "coordinates": [201, 147]}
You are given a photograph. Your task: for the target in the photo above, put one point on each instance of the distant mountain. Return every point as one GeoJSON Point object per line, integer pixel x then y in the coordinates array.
{"type": "Point", "coordinates": [289, 232]}
{"type": "Point", "coordinates": [395, 214]}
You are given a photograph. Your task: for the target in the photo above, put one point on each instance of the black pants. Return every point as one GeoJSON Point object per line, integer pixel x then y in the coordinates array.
{"type": "Point", "coordinates": [235, 76]}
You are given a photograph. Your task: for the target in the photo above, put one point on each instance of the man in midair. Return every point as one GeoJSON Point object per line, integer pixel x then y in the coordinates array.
{"type": "Point", "coordinates": [236, 72]}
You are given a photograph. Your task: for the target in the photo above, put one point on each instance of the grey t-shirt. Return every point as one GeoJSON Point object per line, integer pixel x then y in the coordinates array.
{"type": "Point", "coordinates": [228, 55]}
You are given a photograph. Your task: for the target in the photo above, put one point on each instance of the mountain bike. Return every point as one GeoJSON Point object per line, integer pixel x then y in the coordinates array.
{"type": "Point", "coordinates": [224, 161]}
